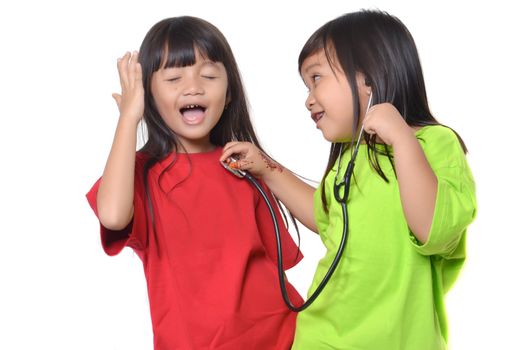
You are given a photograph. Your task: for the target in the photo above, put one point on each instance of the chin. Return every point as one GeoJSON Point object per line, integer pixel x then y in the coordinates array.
{"type": "Point", "coordinates": [330, 137]}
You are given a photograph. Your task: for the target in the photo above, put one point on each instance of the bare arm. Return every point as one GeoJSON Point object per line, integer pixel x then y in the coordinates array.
{"type": "Point", "coordinates": [417, 181]}
{"type": "Point", "coordinates": [418, 185]}
{"type": "Point", "coordinates": [115, 195]}
{"type": "Point", "coordinates": [295, 194]}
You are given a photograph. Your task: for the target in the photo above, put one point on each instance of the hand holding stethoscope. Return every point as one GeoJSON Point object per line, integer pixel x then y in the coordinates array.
{"type": "Point", "coordinates": [384, 121]}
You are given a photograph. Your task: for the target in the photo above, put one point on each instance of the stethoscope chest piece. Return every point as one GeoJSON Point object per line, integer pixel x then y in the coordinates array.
{"type": "Point", "coordinates": [229, 165]}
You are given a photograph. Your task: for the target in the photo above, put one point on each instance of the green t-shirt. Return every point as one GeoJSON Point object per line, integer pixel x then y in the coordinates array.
{"type": "Point", "coordinates": [388, 290]}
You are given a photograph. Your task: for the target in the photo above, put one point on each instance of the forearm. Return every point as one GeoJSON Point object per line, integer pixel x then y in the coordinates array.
{"type": "Point", "coordinates": [295, 194]}
{"type": "Point", "coordinates": [418, 185]}
{"type": "Point", "coordinates": [115, 195]}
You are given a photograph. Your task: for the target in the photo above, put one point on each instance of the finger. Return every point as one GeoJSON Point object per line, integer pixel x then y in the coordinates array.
{"type": "Point", "coordinates": [138, 73]}
{"type": "Point", "coordinates": [372, 108]}
{"type": "Point", "coordinates": [228, 150]}
{"type": "Point", "coordinates": [369, 129]}
{"type": "Point", "coordinates": [117, 99]}
{"type": "Point", "coordinates": [238, 151]}
{"type": "Point", "coordinates": [132, 68]}
{"type": "Point", "coordinates": [230, 144]}
{"type": "Point", "coordinates": [121, 66]}
{"type": "Point", "coordinates": [123, 69]}
{"type": "Point", "coordinates": [119, 70]}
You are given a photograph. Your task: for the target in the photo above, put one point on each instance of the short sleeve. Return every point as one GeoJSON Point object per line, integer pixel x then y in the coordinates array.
{"type": "Point", "coordinates": [134, 235]}
{"type": "Point", "coordinates": [455, 204]}
{"type": "Point", "coordinates": [290, 251]}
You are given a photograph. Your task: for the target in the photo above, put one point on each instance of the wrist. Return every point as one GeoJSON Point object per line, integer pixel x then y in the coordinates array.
{"type": "Point", "coordinates": [404, 136]}
{"type": "Point", "coordinates": [129, 120]}
{"type": "Point", "coordinates": [270, 171]}
{"type": "Point", "coordinates": [269, 166]}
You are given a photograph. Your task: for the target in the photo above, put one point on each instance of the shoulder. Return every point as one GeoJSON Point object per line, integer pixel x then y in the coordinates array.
{"type": "Point", "coordinates": [140, 156]}
{"type": "Point", "coordinates": [441, 145]}
{"type": "Point", "coordinates": [140, 160]}
{"type": "Point", "coordinates": [437, 134]}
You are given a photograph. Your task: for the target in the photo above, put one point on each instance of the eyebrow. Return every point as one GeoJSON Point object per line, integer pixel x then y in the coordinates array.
{"type": "Point", "coordinates": [310, 66]}
{"type": "Point", "coordinates": [209, 63]}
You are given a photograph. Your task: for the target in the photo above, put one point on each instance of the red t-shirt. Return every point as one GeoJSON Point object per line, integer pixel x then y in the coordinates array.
{"type": "Point", "coordinates": [210, 266]}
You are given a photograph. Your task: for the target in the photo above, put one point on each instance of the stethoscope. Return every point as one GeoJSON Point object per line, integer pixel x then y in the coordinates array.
{"type": "Point", "coordinates": [345, 184]}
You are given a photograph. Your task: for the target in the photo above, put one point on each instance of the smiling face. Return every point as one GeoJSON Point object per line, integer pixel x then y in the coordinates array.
{"type": "Point", "coordinates": [330, 99]}
{"type": "Point", "coordinates": [191, 100]}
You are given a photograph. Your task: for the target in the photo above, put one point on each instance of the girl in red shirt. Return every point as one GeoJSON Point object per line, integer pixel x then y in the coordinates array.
{"type": "Point", "coordinates": [204, 236]}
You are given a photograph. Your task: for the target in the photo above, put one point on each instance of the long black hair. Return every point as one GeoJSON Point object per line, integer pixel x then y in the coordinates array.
{"type": "Point", "coordinates": [379, 46]}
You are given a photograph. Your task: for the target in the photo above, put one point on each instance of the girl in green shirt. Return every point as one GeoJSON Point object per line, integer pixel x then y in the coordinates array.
{"type": "Point", "coordinates": [412, 194]}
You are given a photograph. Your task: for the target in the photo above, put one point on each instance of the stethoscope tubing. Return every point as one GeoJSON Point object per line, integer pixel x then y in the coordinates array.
{"type": "Point", "coordinates": [345, 231]}
{"type": "Point", "coordinates": [281, 272]}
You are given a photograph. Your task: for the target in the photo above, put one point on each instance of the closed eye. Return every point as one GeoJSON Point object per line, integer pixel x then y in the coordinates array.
{"type": "Point", "coordinates": [210, 77]}
{"type": "Point", "coordinates": [173, 79]}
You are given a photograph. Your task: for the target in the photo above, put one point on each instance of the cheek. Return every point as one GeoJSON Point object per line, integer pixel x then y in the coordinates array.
{"type": "Point", "coordinates": [346, 101]}
{"type": "Point", "coordinates": [221, 95]}
{"type": "Point", "coordinates": [166, 112]}
{"type": "Point", "coordinates": [343, 104]}
{"type": "Point", "coordinates": [162, 100]}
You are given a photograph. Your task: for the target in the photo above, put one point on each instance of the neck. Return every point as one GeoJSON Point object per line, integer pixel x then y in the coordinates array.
{"type": "Point", "coordinates": [195, 147]}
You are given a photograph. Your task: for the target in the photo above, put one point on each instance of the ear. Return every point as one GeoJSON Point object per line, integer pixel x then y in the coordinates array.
{"type": "Point", "coordinates": [364, 83]}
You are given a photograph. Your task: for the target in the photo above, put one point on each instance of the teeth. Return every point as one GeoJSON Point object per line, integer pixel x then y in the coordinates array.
{"type": "Point", "coordinates": [192, 106]}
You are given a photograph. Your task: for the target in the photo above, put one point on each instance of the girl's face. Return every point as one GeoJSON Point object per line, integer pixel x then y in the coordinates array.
{"type": "Point", "coordinates": [191, 100]}
{"type": "Point", "coordinates": [330, 98]}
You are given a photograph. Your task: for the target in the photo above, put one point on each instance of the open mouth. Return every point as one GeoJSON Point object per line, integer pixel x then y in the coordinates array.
{"type": "Point", "coordinates": [193, 114]}
{"type": "Point", "coordinates": [317, 116]}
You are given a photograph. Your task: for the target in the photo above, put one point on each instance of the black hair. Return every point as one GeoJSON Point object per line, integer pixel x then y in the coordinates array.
{"type": "Point", "coordinates": [379, 46]}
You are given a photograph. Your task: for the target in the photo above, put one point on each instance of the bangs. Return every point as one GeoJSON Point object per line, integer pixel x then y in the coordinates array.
{"type": "Point", "coordinates": [175, 41]}
{"type": "Point", "coordinates": [311, 47]}
{"type": "Point", "coordinates": [179, 48]}
{"type": "Point", "coordinates": [177, 52]}
{"type": "Point", "coordinates": [327, 39]}
{"type": "Point", "coordinates": [317, 45]}
{"type": "Point", "coordinates": [317, 42]}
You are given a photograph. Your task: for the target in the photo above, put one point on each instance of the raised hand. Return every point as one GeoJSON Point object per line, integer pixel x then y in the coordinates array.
{"type": "Point", "coordinates": [385, 121]}
{"type": "Point", "coordinates": [131, 99]}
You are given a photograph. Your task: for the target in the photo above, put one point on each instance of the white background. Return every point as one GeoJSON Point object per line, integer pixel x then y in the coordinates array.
{"type": "Point", "coordinates": [57, 72]}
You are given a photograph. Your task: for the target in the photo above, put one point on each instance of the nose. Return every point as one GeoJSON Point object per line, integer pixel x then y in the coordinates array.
{"type": "Point", "coordinates": [193, 87]}
{"type": "Point", "coordinates": [310, 101]}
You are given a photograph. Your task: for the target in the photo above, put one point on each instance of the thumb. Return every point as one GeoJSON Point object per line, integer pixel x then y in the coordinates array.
{"type": "Point", "coordinates": [117, 99]}
{"type": "Point", "coordinates": [367, 125]}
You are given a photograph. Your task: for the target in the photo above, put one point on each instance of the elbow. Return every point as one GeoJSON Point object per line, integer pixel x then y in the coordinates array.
{"type": "Point", "coordinates": [113, 219]}
{"type": "Point", "coordinates": [421, 234]}
{"type": "Point", "coordinates": [421, 229]}
{"type": "Point", "coordinates": [312, 226]}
